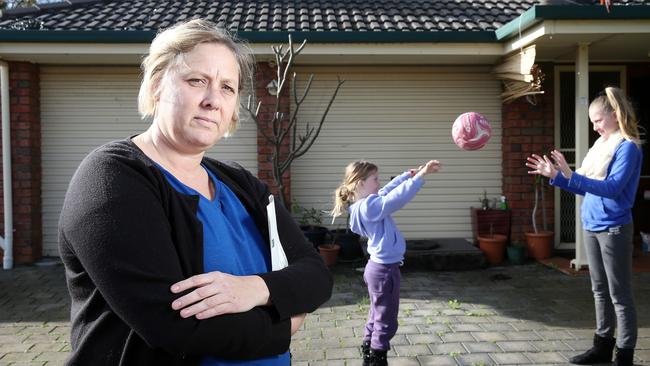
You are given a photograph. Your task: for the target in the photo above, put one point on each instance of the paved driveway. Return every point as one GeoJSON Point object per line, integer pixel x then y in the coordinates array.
{"type": "Point", "coordinates": [520, 315]}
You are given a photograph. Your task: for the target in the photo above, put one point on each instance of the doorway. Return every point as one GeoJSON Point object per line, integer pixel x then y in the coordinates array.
{"type": "Point", "coordinates": [599, 78]}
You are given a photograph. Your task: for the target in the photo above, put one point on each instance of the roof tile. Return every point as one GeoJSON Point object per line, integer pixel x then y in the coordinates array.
{"type": "Point", "coordinates": [282, 15]}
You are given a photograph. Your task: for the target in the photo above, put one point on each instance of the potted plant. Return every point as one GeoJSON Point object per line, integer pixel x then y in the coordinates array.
{"type": "Point", "coordinates": [516, 252]}
{"type": "Point", "coordinates": [539, 242]}
{"type": "Point", "coordinates": [329, 252]}
{"type": "Point", "coordinates": [493, 246]}
{"type": "Point", "coordinates": [485, 202]}
{"type": "Point", "coordinates": [349, 242]}
{"type": "Point", "coordinates": [310, 221]}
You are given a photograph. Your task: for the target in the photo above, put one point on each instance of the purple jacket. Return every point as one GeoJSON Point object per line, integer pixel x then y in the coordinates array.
{"type": "Point", "coordinates": [371, 217]}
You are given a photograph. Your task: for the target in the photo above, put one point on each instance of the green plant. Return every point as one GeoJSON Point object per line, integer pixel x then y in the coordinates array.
{"type": "Point", "coordinates": [454, 304]}
{"type": "Point", "coordinates": [485, 202]}
{"type": "Point", "coordinates": [552, 266]}
{"type": "Point", "coordinates": [478, 313]}
{"type": "Point", "coordinates": [308, 216]}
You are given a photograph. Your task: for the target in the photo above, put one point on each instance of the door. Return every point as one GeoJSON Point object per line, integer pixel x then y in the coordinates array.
{"type": "Point", "coordinates": [599, 78]}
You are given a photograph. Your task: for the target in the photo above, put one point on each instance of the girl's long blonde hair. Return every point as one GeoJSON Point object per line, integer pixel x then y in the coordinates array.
{"type": "Point", "coordinates": [614, 101]}
{"type": "Point", "coordinates": [344, 195]}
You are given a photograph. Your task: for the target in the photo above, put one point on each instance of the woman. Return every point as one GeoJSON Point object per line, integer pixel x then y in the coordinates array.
{"type": "Point", "coordinates": [166, 251]}
{"type": "Point", "coordinates": [608, 178]}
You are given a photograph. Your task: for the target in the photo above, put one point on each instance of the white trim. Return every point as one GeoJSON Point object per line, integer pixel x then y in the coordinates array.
{"type": "Point", "coordinates": [7, 243]}
{"type": "Point", "coordinates": [627, 26]}
{"type": "Point", "coordinates": [582, 139]}
{"type": "Point", "coordinates": [578, 28]}
{"type": "Point", "coordinates": [526, 38]}
{"type": "Point", "coordinates": [264, 49]}
{"type": "Point", "coordinates": [314, 53]}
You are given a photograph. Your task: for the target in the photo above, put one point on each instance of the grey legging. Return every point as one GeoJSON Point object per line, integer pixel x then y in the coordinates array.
{"type": "Point", "coordinates": [610, 266]}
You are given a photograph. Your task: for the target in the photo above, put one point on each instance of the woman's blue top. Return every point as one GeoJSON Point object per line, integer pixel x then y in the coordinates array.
{"type": "Point", "coordinates": [231, 244]}
{"type": "Point", "coordinates": [608, 203]}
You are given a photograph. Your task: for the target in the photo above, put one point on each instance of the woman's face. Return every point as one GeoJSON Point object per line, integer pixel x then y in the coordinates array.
{"type": "Point", "coordinates": [197, 98]}
{"type": "Point", "coordinates": [604, 123]}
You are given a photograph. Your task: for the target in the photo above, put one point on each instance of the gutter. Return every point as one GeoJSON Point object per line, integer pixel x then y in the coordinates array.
{"type": "Point", "coordinates": [540, 13]}
{"type": "Point", "coordinates": [7, 242]}
{"type": "Point", "coordinates": [133, 36]}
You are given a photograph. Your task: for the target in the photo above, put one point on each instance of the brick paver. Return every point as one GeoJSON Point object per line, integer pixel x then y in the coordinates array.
{"type": "Point", "coordinates": [528, 315]}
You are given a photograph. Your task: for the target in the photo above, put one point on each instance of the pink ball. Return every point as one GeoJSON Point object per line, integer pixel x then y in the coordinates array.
{"type": "Point", "coordinates": [471, 131]}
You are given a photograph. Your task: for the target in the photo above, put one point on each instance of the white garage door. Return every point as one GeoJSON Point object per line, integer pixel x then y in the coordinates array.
{"type": "Point", "coordinates": [399, 118]}
{"type": "Point", "coordinates": [85, 107]}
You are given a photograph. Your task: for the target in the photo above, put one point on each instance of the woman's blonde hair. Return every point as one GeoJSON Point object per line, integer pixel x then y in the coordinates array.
{"type": "Point", "coordinates": [167, 50]}
{"type": "Point", "coordinates": [613, 100]}
{"type": "Point", "coordinates": [344, 195]}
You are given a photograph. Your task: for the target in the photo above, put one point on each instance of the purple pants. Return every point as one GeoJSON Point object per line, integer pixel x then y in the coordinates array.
{"type": "Point", "coordinates": [383, 282]}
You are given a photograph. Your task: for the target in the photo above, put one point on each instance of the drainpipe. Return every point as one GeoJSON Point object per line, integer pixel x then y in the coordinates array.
{"type": "Point", "coordinates": [7, 242]}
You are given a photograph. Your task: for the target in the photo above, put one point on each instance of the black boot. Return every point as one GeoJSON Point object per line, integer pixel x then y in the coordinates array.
{"type": "Point", "coordinates": [365, 352]}
{"type": "Point", "coordinates": [600, 352]}
{"type": "Point", "coordinates": [378, 358]}
{"type": "Point", "coordinates": [624, 357]}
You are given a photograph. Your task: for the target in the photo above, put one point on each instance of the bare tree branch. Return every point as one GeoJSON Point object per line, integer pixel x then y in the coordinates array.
{"type": "Point", "coordinates": [281, 128]}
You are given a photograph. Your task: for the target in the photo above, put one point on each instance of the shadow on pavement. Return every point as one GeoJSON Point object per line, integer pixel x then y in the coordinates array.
{"type": "Point", "coordinates": [529, 292]}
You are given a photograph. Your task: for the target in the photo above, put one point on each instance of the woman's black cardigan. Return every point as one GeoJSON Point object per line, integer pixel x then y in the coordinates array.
{"type": "Point", "coordinates": [125, 236]}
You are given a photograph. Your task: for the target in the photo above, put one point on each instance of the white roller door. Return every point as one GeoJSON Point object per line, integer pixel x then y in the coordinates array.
{"type": "Point", "coordinates": [399, 118]}
{"type": "Point", "coordinates": [85, 107]}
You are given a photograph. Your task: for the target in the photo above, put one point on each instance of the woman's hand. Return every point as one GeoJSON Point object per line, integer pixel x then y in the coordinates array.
{"type": "Point", "coordinates": [561, 164]}
{"type": "Point", "coordinates": [296, 322]}
{"type": "Point", "coordinates": [218, 293]}
{"type": "Point", "coordinates": [541, 165]}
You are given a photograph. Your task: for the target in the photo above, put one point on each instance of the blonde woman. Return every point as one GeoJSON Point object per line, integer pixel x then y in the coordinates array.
{"type": "Point", "coordinates": [166, 251]}
{"type": "Point", "coordinates": [608, 180]}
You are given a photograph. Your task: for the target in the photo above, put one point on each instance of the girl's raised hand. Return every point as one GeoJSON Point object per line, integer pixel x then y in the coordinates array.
{"type": "Point", "coordinates": [541, 165]}
{"type": "Point", "coordinates": [561, 164]}
{"type": "Point", "coordinates": [431, 166]}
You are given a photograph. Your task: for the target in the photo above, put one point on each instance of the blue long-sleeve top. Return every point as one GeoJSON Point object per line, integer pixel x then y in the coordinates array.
{"type": "Point", "coordinates": [608, 202]}
{"type": "Point", "coordinates": [371, 217]}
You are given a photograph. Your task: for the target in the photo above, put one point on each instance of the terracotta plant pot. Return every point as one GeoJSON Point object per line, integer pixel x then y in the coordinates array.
{"type": "Point", "coordinates": [315, 234]}
{"type": "Point", "coordinates": [329, 253]}
{"type": "Point", "coordinates": [494, 247]}
{"type": "Point", "coordinates": [540, 245]}
{"type": "Point", "coordinates": [349, 242]}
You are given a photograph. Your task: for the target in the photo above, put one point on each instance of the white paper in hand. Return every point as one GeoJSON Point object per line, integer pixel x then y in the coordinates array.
{"type": "Point", "coordinates": [278, 258]}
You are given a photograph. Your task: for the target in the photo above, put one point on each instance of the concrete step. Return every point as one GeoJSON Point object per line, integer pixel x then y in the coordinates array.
{"type": "Point", "coordinates": [443, 254]}
{"type": "Point", "coordinates": [440, 254]}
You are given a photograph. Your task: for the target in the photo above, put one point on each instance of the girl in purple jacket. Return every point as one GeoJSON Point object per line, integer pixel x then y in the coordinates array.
{"type": "Point", "coordinates": [370, 210]}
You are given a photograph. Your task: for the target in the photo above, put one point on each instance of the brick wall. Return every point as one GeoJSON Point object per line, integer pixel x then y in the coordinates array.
{"type": "Point", "coordinates": [527, 129]}
{"type": "Point", "coordinates": [266, 74]}
{"type": "Point", "coordinates": [24, 90]}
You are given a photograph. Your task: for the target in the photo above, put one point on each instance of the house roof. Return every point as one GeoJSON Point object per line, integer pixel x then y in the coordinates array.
{"type": "Point", "coordinates": [268, 21]}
